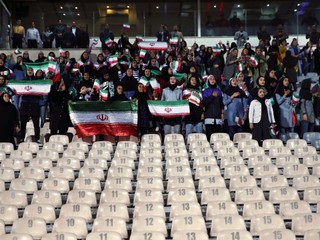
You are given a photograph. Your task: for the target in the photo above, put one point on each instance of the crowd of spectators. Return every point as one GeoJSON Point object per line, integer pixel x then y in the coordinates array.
{"type": "Point", "coordinates": [228, 90]}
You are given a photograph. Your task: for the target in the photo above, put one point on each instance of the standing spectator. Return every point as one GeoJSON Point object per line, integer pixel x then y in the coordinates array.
{"type": "Point", "coordinates": [82, 38]}
{"type": "Point", "coordinates": [129, 83]}
{"type": "Point", "coordinates": [313, 35]}
{"type": "Point", "coordinates": [47, 38]}
{"type": "Point", "coordinates": [105, 35]}
{"type": "Point", "coordinates": [214, 109]}
{"type": "Point", "coordinates": [261, 68]}
{"type": "Point", "coordinates": [316, 58]}
{"type": "Point", "coordinates": [4, 71]}
{"type": "Point", "coordinates": [59, 29]}
{"type": "Point", "coordinates": [176, 33]}
{"type": "Point", "coordinates": [241, 37]}
{"type": "Point", "coordinates": [306, 108]}
{"type": "Point", "coordinates": [306, 52]}
{"type": "Point", "coordinates": [283, 96]}
{"type": "Point", "coordinates": [236, 104]}
{"type": "Point", "coordinates": [9, 123]}
{"type": "Point", "coordinates": [209, 26]}
{"type": "Point", "coordinates": [32, 36]}
{"type": "Point", "coordinates": [234, 22]}
{"type": "Point", "coordinates": [264, 35]}
{"type": "Point", "coordinates": [280, 35]}
{"type": "Point", "coordinates": [18, 34]}
{"type": "Point", "coordinates": [261, 117]}
{"type": "Point", "coordinates": [231, 63]}
{"type": "Point", "coordinates": [295, 52]}
{"type": "Point", "coordinates": [316, 98]}
{"type": "Point", "coordinates": [172, 93]}
{"type": "Point", "coordinates": [75, 30]}
{"type": "Point", "coordinates": [289, 63]}
{"type": "Point", "coordinates": [163, 34]}
{"type": "Point", "coordinates": [68, 39]}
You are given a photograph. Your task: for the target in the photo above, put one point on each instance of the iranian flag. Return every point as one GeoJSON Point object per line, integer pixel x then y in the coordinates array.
{"type": "Point", "coordinates": [17, 51]}
{"type": "Point", "coordinates": [149, 82]}
{"type": "Point", "coordinates": [96, 85]}
{"type": "Point", "coordinates": [192, 96]}
{"type": "Point", "coordinates": [142, 53]}
{"type": "Point", "coordinates": [95, 41]}
{"type": "Point", "coordinates": [174, 40]}
{"type": "Point", "coordinates": [30, 87]}
{"type": "Point", "coordinates": [169, 109]}
{"type": "Point", "coordinates": [240, 67]}
{"type": "Point", "coordinates": [139, 38]}
{"type": "Point", "coordinates": [126, 26]}
{"type": "Point", "coordinates": [113, 60]}
{"type": "Point", "coordinates": [118, 118]}
{"type": "Point", "coordinates": [156, 46]}
{"type": "Point", "coordinates": [216, 49]}
{"type": "Point", "coordinates": [109, 42]}
{"type": "Point", "coordinates": [176, 66]}
{"type": "Point", "coordinates": [254, 61]}
{"type": "Point", "coordinates": [61, 51]}
{"type": "Point", "coordinates": [47, 66]}
{"type": "Point", "coordinates": [104, 95]}
{"type": "Point", "coordinates": [52, 59]}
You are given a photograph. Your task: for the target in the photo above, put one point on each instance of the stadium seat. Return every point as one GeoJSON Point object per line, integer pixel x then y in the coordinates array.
{"type": "Point", "coordinates": [311, 195]}
{"type": "Point", "coordinates": [316, 170]}
{"type": "Point", "coordinates": [149, 171]}
{"type": "Point", "coordinates": [272, 234]}
{"type": "Point", "coordinates": [293, 143]}
{"type": "Point", "coordinates": [44, 211]}
{"type": "Point", "coordinates": [273, 181]}
{"type": "Point", "coordinates": [202, 160]}
{"type": "Point", "coordinates": [87, 184]}
{"type": "Point", "coordinates": [207, 171]}
{"type": "Point", "coordinates": [249, 194]}
{"type": "Point", "coordinates": [44, 163]}
{"type": "Point", "coordinates": [8, 213]}
{"type": "Point", "coordinates": [150, 161]}
{"type": "Point", "coordinates": [31, 146]}
{"type": "Point", "coordinates": [253, 208]}
{"type": "Point", "coordinates": [113, 224]}
{"type": "Point", "coordinates": [35, 173]}
{"type": "Point", "coordinates": [118, 183]}
{"type": "Point", "coordinates": [59, 139]}
{"type": "Point", "coordinates": [279, 151]}
{"type": "Point", "coordinates": [264, 222]}
{"type": "Point", "coordinates": [173, 137]}
{"type": "Point", "coordinates": [57, 184]}
{"type": "Point", "coordinates": [16, 236]}
{"type": "Point", "coordinates": [295, 170]}
{"type": "Point", "coordinates": [149, 224]}
{"type": "Point", "coordinates": [181, 195]}
{"type": "Point", "coordinates": [188, 223]}
{"type": "Point", "coordinates": [260, 171]}
{"type": "Point", "coordinates": [76, 210]}
{"type": "Point", "coordinates": [242, 137]}
{"type": "Point", "coordinates": [92, 172]}
{"type": "Point", "coordinates": [103, 145]}
{"type": "Point", "coordinates": [124, 152]}
{"type": "Point", "coordinates": [282, 194]}
{"type": "Point", "coordinates": [120, 171]}
{"type": "Point", "coordinates": [236, 170]}
{"type": "Point", "coordinates": [268, 143]}
{"type": "Point", "coordinates": [36, 227]}
{"type": "Point", "coordinates": [75, 225]}
{"type": "Point", "coordinates": [220, 208]}
{"type": "Point", "coordinates": [55, 146]}
{"type": "Point", "coordinates": [215, 194]}
{"type": "Point", "coordinates": [115, 196]}
{"type": "Point", "coordinates": [26, 185]}
{"type": "Point", "coordinates": [151, 138]}
{"type": "Point", "coordinates": [179, 171]}
{"type": "Point", "coordinates": [311, 159]}
{"type": "Point", "coordinates": [230, 160]}
{"type": "Point", "coordinates": [79, 146]}
{"type": "Point", "coordinates": [55, 236]}
{"type": "Point", "coordinates": [240, 182]}
{"type": "Point", "coordinates": [289, 209]}
{"type": "Point", "coordinates": [147, 235]}
{"type": "Point", "coordinates": [104, 235]}
{"type": "Point", "coordinates": [188, 208]}
{"type": "Point", "coordinates": [222, 223]}
{"type": "Point", "coordinates": [127, 145]}
{"type": "Point", "coordinates": [220, 144]}
{"type": "Point", "coordinates": [109, 210]}
{"type": "Point", "coordinates": [48, 154]}
{"type": "Point", "coordinates": [82, 196]}
{"type": "Point", "coordinates": [283, 161]}
{"type": "Point", "coordinates": [26, 155]}
{"type": "Point", "coordinates": [230, 235]}
{"type": "Point", "coordinates": [150, 152]}
{"type": "Point", "coordinates": [62, 172]}
{"type": "Point", "coordinates": [311, 234]}
{"type": "Point", "coordinates": [100, 153]}
{"type": "Point", "coordinates": [93, 162]}
{"type": "Point", "coordinates": [177, 161]}
{"type": "Point", "coordinates": [6, 147]}
{"type": "Point", "coordinates": [74, 153]}
{"type": "Point", "coordinates": [148, 195]}
{"type": "Point", "coordinates": [47, 197]}
{"type": "Point", "coordinates": [300, 152]}
{"type": "Point", "coordinates": [150, 182]}
{"type": "Point", "coordinates": [218, 136]}
{"type": "Point", "coordinates": [303, 182]}
{"type": "Point", "coordinates": [7, 173]}
{"type": "Point", "coordinates": [149, 144]}
{"type": "Point", "coordinates": [252, 151]}
{"type": "Point", "coordinates": [180, 182]}
{"type": "Point", "coordinates": [302, 223]}
{"type": "Point", "coordinates": [242, 144]}
{"type": "Point", "coordinates": [211, 182]}
{"type": "Point", "coordinates": [256, 160]}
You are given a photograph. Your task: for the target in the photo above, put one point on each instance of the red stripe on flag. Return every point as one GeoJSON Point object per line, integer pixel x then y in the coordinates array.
{"type": "Point", "coordinates": [121, 130]}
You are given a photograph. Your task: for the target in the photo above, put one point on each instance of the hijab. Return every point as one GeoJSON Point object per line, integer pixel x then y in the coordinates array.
{"type": "Point", "coordinates": [233, 89]}
{"type": "Point", "coordinates": [280, 89]}
{"type": "Point", "coordinates": [305, 92]}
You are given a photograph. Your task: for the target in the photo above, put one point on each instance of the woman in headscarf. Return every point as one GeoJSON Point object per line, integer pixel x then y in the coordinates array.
{"type": "Point", "coordinates": [119, 94]}
{"type": "Point", "coordinates": [283, 97]}
{"type": "Point", "coordinates": [9, 123]}
{"type": "Point", "coordinates": [214, 108]}
{"type": "Point", "coordinates": [289, 66]}
{"type": "Point", "coordinates": [306, 108]}
{"type": "Point", "coordinates": [236, 104]}
{"type": "Point", "coordinates": [261, 118]}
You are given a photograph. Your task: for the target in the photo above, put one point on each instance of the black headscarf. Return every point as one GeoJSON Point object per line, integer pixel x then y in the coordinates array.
{"type": "Point", "coordinates": [305, 92]}
{"type": "Point", "coordinates": [231, 90]}
{"type": "Point", "coordinates": [197, 86]}
{"type": "Point", "coordinates": [280, 88]}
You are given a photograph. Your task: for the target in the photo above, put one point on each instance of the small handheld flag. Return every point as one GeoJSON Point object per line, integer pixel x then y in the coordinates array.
{"type": "Point", "coordinates": [126, 26]}
{"type": "Point", "coordinates": [61, 51]}
{"type": "Point", "coordinates": [17, 51]}
{"type": "Point", "coordinates": [142, 53]}
{"type": "Point", "coordinates": [139, 38]}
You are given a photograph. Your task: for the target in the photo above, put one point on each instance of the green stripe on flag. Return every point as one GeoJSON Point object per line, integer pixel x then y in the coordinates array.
{"type": "Point", "coordinates": [168, 103]}
{"type": "Point", "coordinates": [103, 106]}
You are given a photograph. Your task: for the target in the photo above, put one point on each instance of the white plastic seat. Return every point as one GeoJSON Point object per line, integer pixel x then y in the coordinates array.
{"type": "Point", "coordinates": [300, 152]}
{"type": "Point", "coordinates": [295, 170]}
{"type": "Point", "coordinates": [311, 234]}
{"type": "Point", "coordinates": [104, 235]}
{"type": "Point", "coordinates": [222, 223]}
{"type": "Point", "coordinates": [8, 213]}
{"type": "Point", "coordinates": [92, 172]}
{"type": "Point", "coordinates": [242, 144]}
{"type": "Point", "coordinates": [82, 196]}
{"type": "Point", "coordinates": [173, 137]}
{"type": "Point", "coordinates": [260, 223]}
{"type": "Point", "coordinates": [118, 183]}
{"type": "Point", "coordinates": [149, 171]}
{"type": "Point", "coordinates": [69, 162]}
{"type": "Point", "coordinates": [211, 182]}
{"type": "Point", "coordinates": [303, 182]}
{"type": "Point", "coordinates": [150, 138]}
{"type": "Point", "coordinates": [31, 146]}
{"type": "Point", "coordinates": [274, 181]}
{"type": "Point", "coordinates": [228, 151]}
{"type": "Point", "coordinates": [57, 184]}
{"type": "Point", "coordinates": [108, 210]}
{"type": "Point", "coordinates": [316, 170]}
{"type": "Point", "coordinates": [177, 161]}
{"type": "Point", "coordinates": [294, 143]}
{"type": "Point", "coordinates": [145, 209]}
{"type": "Point", "coordinates": [6, 147]}
{"type": "Point", "coordinates": [252, 151]}
{"type": "Point", "coordinates": [218, 136]}
{"type": "Point", "coordinates": [218, 145]}
{"type": "Point", "coordinates": [150, 161]}
{"type": "Point", "coordinates": [282, 161]}
{"type": "Point", "coordinates": [120, 171]}
{"type": "Point", "coordinates": [279, 151]}
{"type": "Point", "coordinates": [75, 225]}
{"type": "Point", "coordinates": [2, 155]}
{"type": "Point", "coordinates": [15, 163]}
{"type": "Point", "coordinates": [124, 152]}
{"type": "Point", "coordinates": [258, 160]}
{"type": "Point", "coordinates": [7, 174]}
{"type": "Point", "coordinates": [127, 145]}
{"type": "Point", "coordinates": [55, 146]}
{"type": "Point", "coordinates": [74, 153]}
{"type": "Point", "coordinates": [115, 196]}
{"type": "Point", "coordinates": [148, 195]}
{"type": "Point", "coordinates": [230, 235]}
{"type": "Point", "coordinates": [178, 171]}
{"type": "Point", "coordinates": [302, 223]}
{"type": "Point", "coordinates": [16, 236]}
{"type": "Point", "coordinates": [175, 144]}
{"type": "Point", "coordinates": [93, 162]}
{"type": "Point", "coordinates": [150, 152]}
{"type": "Point", "coordinates": [150, 182]}
{"type": "Point", "coordinates": [236, 170]}
{"type": "Point", "coordinates": [149, 224]}
{"type": "Point", "coordinates": [51, 154]}
{"type": "Point", "coordinates": [220, 208]}
{"type": "Point", "coordinates": [62, 172]}
{"type": "Point", "coordinates": [243, 136]}
{"type": "Point", "coordinates": [47, 197]}
{"type": "Point", "coordinates": [289, 209]}
{"type": "Point", "coordinates": [253, 208]}
{"type": "Point", "coordinates": [100, 153]}
{"type": "Point", "coordinates": [230, 160]}
{"type": "Point", "coordinates": [278, 195]}
{"type": "Point", "coordinates": [44, 211]}
{"type": "Point", "coordinates": [36, 227]}
{"type": "Point", "coordinates": [198, 144]}
{"type": "Point", "coordinates": [265, 170]}
{"type": "Point", "coordinates": [311, 195]}
{"type": "Point", "coordinates": [176, 152]}
{"type": "Point", "coordinates": [87, 184]}
{"type": "Point", "coordinates": [27, 185]}
{"type": "Point", "coordinates": [35, 173]}
{"type": "Point", "coordinates": [79, 146]}
{"type": "Point", "coordinates": [249, 194]}
{"type": "Point", "coordinates": [239, 182]}
{"type": "Point", "coordinates": [189, 208]}
{"type": "Point", "coordinates": [105, 145]}
{"type": "Point", "coordinates": [215, 194]}
{"type": "Point", "coordinates": [202, 151]}
{"type": "Point", "coordinates": [44, 163]}
{"type": "Point", "coordinates": [272, 234]}
{"type": "Point", "coordinates": [59, 139]}
{"type": "Point", "coordinates": [311, 159]}
{"type": "Point", "coordinates": [207, 171]}
{"type": "Point", "coordinates": [147, 235]}
{"type": "Point", "coordinates": [113, 224]}
{"type": "Point", "coordinates": [268, 143]}
{"type": "Point", "coordinates": [76, 210]}
{"type": "Point", "coordinates": [196, 137]}
{"type": "Point", "coordinates": [188, 223]}
{"type": "Point", "coordinates": [149, 144]}
{"type": "Point", "coordinates": [26, 155]}
{"type": "Point", "coordinates": [55, 236]}
{"type": "Point", "coordinates": [180, 182]}
{"type": "Point", "coordinates": [203, 160]}
{"type": "Point", "coordinates": [181, 195]}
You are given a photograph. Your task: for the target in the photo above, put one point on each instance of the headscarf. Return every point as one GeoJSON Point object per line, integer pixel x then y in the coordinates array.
{"type": "Point", "coordinates": [280, 89]}
{"type": "Point", "coordinates": [305, 91]}
{"type": "Point", "coordinates": [231, 90]}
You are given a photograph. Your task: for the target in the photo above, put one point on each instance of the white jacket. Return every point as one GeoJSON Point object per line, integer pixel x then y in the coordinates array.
{"type": "Point", "coordinates": [255, 111]}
